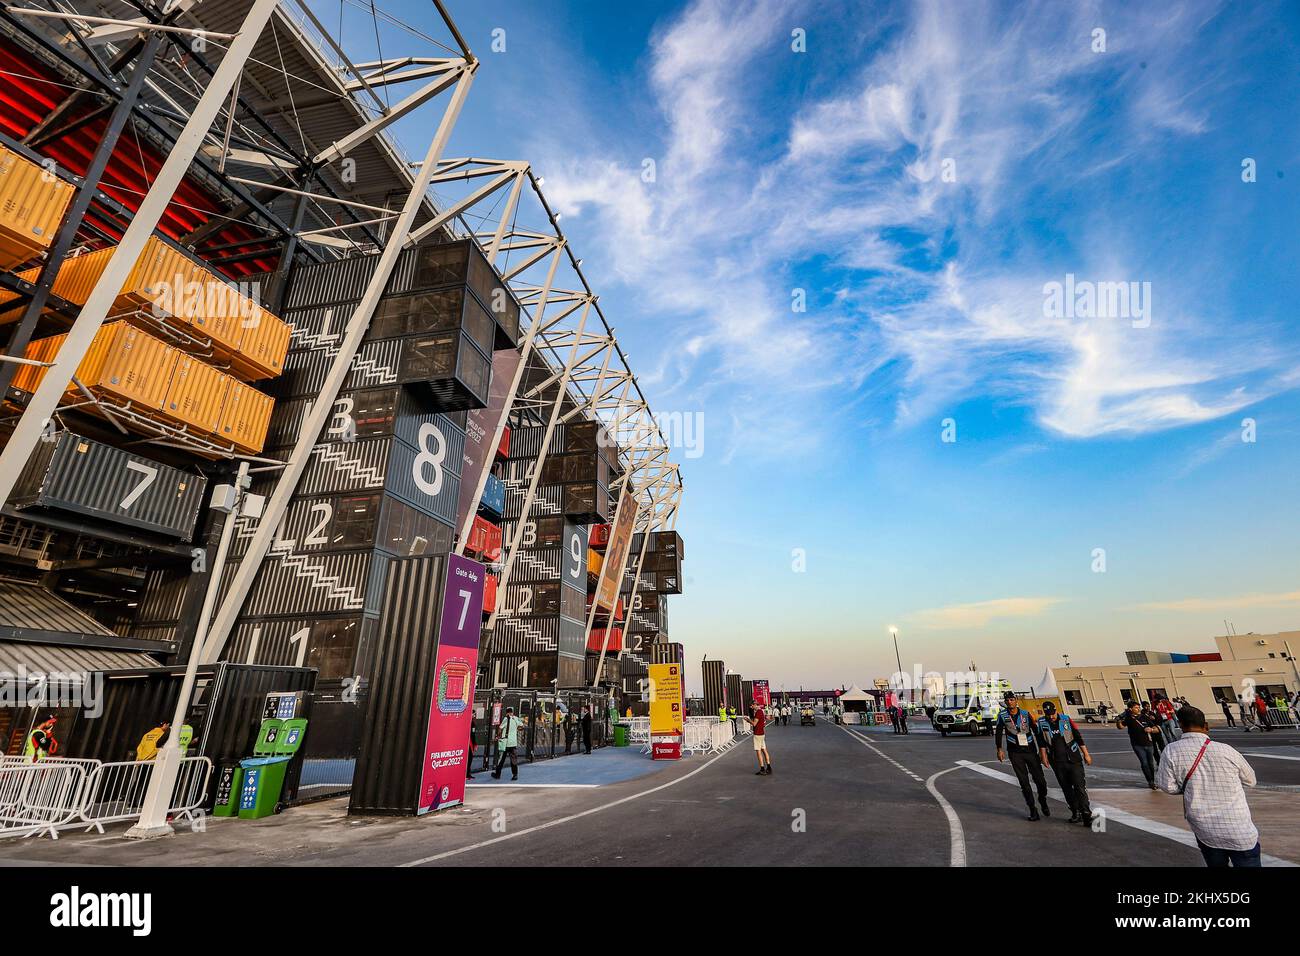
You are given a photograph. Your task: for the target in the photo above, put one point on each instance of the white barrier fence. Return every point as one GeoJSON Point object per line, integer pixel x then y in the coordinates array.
{"type": "Point", "coordinates": [56, 793]}
{"type": "Point", "coordinates": [701, 734]}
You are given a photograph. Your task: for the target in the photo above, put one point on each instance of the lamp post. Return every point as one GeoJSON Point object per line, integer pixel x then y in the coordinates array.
{"type": "Point", "coordinates": [899, 661]}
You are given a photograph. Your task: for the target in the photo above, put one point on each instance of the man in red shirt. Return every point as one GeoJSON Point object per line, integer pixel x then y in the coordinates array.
{"type": "Point", "coordinates": [758, 720]}
{"type": "Point", "coordinates": [1261, 709]}
{"type": "Point", "coordinates": [1168, 726]}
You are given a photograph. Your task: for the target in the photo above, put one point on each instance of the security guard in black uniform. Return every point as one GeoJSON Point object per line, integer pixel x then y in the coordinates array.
{"type": "Point", "coordinates": [1024, 745]}
{"type": "Point", "coordinates": [1064, 748]}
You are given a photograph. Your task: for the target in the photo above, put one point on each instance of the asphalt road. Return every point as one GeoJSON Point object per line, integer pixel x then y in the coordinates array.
{"type": "Point", "coordinates": [843, 795]}
{"type": "Point", "coordinates": [839, 796]}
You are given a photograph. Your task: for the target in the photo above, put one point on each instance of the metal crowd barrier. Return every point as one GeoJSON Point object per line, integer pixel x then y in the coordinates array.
{"type": "Point", "coordinates": [699, 735]}
{"type": "Point", "coordinates": [115, 791]}
{"type": "Point", "coordinates": [57, 793]}
{"type": "Point", "coordinates": [40, 797]}
{"type": "Point", "coordinates": [638, 734]}
{"type": "Point", "coordinates": [722, 735]}
{"type": "Point", "coordinates": [1279, 717]}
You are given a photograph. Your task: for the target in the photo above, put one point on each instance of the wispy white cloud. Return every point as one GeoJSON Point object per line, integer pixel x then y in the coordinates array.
{"type": "Point", "coordinates": [980, 613]}
{"type": "Point", "coordinates": [943, 279]}
{"type": "Point", "coordinates": [1283, 599]}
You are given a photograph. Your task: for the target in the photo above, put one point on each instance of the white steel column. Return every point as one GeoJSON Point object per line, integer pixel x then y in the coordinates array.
{"type": "Point", "coordinates": [167, 763]}
{"type": "Point", "coordinates": [323, 406]}
{"type": "Point", "coordinates": [40, 410]}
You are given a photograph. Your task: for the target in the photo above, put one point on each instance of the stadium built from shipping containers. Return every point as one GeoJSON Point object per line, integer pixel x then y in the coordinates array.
{"type": "Point", "coordinates": [214, 349]}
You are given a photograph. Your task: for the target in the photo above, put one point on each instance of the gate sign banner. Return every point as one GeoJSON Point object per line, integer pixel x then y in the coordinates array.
{"type": "Point", "coordinates": [446, 742]}
{"type": "Point", "coordinates": [620, 541]}
{"type": "Point", "coordinates": [480, 423]}
{"type": "Point", "coordinates": [762, 695]}
{"type": "Point", "coordinates": [667, 717]}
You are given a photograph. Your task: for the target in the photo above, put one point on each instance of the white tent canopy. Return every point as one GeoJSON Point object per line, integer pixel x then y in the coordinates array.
{"type": "Point", "coordinates": [1046, 686]}
{"type": "Point", "coordinates": [855, 693]}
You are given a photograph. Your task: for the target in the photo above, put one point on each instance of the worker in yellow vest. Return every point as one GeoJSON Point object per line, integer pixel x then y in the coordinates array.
{"type": "Point", "coordinates": [735, 724]}
{"type": "Point", "coordinates": [722, 714]}
{"type": "Point", "coordinates": [41, 742]}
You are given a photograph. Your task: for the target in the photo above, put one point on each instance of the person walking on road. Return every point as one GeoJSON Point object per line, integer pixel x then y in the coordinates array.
{"type": "Point", "coordinates": [1024, 746]}
{"type": "Point", "coordinates": [1066, 753]}
{"type": "Point", "coordinates": [585, 724]}
{"type": "Point", "coordinates": [1227, 712]}
{"type": "Point", "coordinates": [1211, 778]}
{"type": "Point", "coordinates": [1261, 712]}
{"type": "Point", "coordinates": [1168, 726]}
{"type": "Point", "coordinates": [902, 720]}
{"type": "Point", "coordinates": [893, 716]}
{"type": "Point", "coordinates": [758, 720]}
{"type": "Point", "coordinates": [1141, 737]}
{"type": "Point", "coordinates": [1152, 719]}
{"type": "Point", "coordinates": [507, 744]}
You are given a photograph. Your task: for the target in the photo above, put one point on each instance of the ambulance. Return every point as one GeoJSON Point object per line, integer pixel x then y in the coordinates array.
{"type": "Point", "coordinates": [970, 708]}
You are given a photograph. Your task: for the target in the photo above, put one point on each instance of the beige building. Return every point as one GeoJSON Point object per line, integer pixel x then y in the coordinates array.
{"type": "Point", "coordinates": [1243, 663]}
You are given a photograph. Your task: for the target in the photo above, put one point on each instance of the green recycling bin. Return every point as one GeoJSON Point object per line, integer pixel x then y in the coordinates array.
{"type": "Point", "coordinates": [259, 793]}
{"type": "Point", "coordinates": [621, 735]}
{"type": "Point", "coordinates": [229, 781]}
{"type": "Point", "coordinates": [290, 737]}
{"type": "Point", "coordinates": [267, 737]}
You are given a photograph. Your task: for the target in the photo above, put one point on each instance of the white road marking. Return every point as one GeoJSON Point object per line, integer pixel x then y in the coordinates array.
{"type": "Point", "coordinates": [1168, 831]}
{"type": "Point", "coordinates": [1255, 753]}
{"type": "Point", "coordinates": [956, 835]}
{"type": "Point", "coordinates": [570, 818]}
{"type": "Point", "coordinates": [543, 786]}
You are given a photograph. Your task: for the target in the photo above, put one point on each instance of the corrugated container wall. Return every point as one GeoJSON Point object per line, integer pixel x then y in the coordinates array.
{"type": "Point", "coordinates": [77, 474]}
{"type": "Point", "coordinates": [714, 673]}
{"type": "Point", "coordinates": [390, 764]}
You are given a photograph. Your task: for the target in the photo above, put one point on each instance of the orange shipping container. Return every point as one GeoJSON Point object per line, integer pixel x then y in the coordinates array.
{"type": "Point", "coordinates": [32, 203]}
{"type": "Point", "coordinates": [197, 395]}
{"type": "Point", "coordinates": [123, 362]}
{"type": "Point", "coordinates": [130, 365]}
{"type": "Point", "coordinates": [263, 346]}
{"type": "Point", "coordinates": [27, 377]}
{"type": "Point", "coordinates": [245, 417]}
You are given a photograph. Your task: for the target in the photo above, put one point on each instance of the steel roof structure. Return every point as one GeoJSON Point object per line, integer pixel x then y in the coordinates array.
{"type": "Point", "coordinates": [264, 140]}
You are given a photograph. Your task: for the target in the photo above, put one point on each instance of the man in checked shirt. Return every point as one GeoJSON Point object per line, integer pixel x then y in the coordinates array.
{"type": "Point", "coordinates": [1210, 776]}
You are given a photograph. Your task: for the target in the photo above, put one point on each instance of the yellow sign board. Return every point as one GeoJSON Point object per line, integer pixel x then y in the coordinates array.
{"type": "Point", "coordinates": [666, 710]}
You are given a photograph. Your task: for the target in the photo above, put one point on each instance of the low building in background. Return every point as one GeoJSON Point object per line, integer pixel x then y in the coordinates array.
{"type": "Point", "coordinates": [1244, 664]}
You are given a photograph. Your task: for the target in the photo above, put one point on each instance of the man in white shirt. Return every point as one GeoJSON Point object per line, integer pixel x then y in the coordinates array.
{"type": "Point", "coordinates": [1210, 776]}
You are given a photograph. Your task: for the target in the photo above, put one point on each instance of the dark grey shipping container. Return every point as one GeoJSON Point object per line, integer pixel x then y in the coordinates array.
{"type": "Point", "coordinates": [667, 652]}
{"type": "Point", "coordinates": [375, 364]}
{"type": "Point", "coordinates": [526, 635]}
{"type": "Point", "coordinates": [714, 673]}
{"type": "Point", "coordinates": [361, 414]}
{"type": "Point", "coordinates": [345, 522]}
{"type": "Point", "coordinates": [366, 465]}
{"type": "Point", "coordinates": [72, 473]}
{"type": "Point", "coordinates": [735, 696]}
{"type": "Point", "coordinates": [391, 759]}
{"type": "Point", "coordinates": [289, 584]}
{"type": "Point", "coordinates": [164, 590]}
{"type": "Point", "coordinates": [330, 645]}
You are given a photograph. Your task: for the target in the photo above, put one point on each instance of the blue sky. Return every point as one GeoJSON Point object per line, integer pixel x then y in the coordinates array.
{"type": "Point", "coordinates": [921, 172]}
